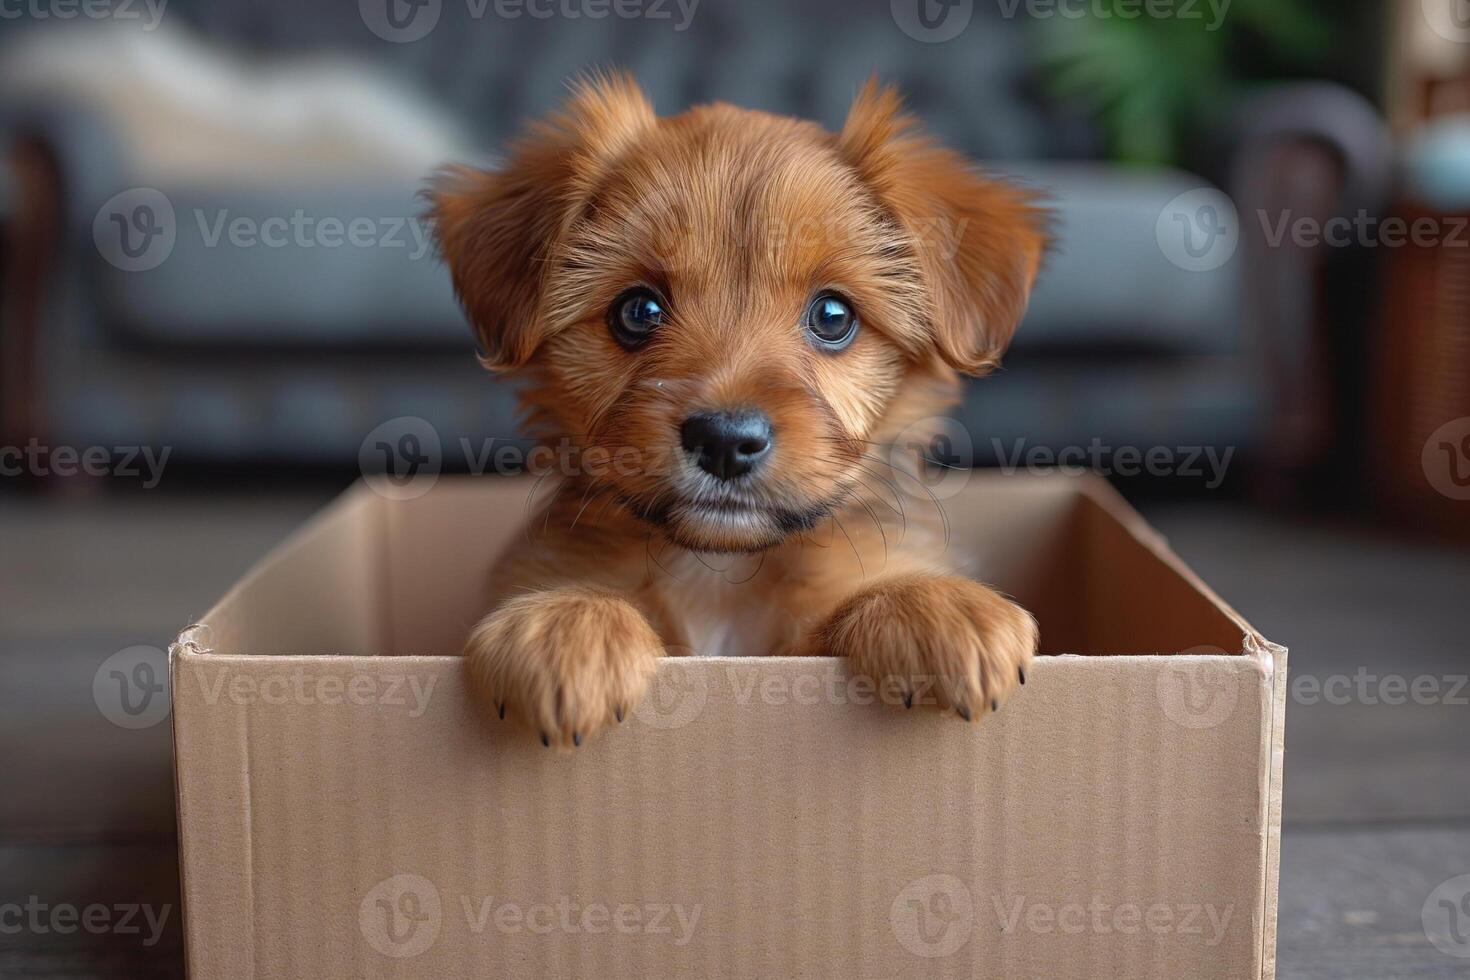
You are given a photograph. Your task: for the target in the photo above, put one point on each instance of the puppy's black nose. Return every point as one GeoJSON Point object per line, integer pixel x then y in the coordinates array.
{"type": "Point", "coordinates": [726, 444]}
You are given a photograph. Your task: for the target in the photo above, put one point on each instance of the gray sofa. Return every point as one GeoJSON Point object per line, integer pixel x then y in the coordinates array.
{"type": "Point", "coordinates": [293, 354]}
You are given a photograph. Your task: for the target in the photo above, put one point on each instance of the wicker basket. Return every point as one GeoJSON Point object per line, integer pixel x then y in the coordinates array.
{"type": "Point", "coordinates": [1422, 375]}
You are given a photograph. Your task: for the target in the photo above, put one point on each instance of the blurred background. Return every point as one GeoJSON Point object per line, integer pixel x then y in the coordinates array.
{"type": "Point", "coordinates": [216, 286]}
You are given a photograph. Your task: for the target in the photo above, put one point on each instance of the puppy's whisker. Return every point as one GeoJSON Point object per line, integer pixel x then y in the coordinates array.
{"type": "Point", "coordinates": [871, 494]}
{"type": "Point", "coordinates": [758, 566]}
{"type": "Point", "coordinates": [876, 523]}
{"type": "Point", "coordinates": [938, 506]}
{"type": "Point", "coordinates": [648, 553]}
{"type": "Point", "coordinates": [700, 558]}
{"type": "Point", "coordinates": [855, 553]}
{"type": "Point", "coordinates": [531, 494]}
{"type": "Point", "coordinates": [546, 524]}
{"type": "Point", "coordinates": [897, 494]}
{"type": "Point", "coordinates": [531, 503]}
{"type": "Point", "coordinates": [903, 517]}
{"type": "Point", "coordinates": [589, 495]}
{"type": "Point", "coordinates": [874, 496]}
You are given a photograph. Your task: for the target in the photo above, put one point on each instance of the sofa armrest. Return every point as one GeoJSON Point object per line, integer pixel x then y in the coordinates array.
{"type": "Point", "coordinates": [85, 148]}
{"type": "Point", "coordinates": [1319, 152]}
{"type": "Point", "coordinates": [62, 163]}
{"type": "Point", "coordinates": [1332, 118]}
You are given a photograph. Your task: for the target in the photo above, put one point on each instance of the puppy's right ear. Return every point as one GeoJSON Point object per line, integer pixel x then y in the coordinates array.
{"type": "Point", "coordinates": [499, 230]}
{"type": "Point", "coordinates": [990, 234]}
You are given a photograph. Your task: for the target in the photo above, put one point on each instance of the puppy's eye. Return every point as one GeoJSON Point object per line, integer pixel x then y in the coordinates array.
{"type": "Point", "coordinates": [831, 322]}
{"type": "Point", "coordinates": [634, 316]}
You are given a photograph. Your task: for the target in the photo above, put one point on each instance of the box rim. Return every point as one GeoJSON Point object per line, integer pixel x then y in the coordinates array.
{"type": "Point", "coordinates": [195, 637]}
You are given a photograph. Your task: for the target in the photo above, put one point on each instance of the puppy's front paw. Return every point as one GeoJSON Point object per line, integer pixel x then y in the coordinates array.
{"type": "Point", "coordinates": [565, 662]}
{"type": "Point", "coordinates": [940, 640]}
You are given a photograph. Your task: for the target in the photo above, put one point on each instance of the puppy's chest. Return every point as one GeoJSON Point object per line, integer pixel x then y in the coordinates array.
{"type": "Point", "coordinates": [723, 614]}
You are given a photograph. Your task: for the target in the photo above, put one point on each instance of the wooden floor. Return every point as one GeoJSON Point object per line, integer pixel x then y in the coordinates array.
{"type": "Point", "coordinates": [1377, 794]}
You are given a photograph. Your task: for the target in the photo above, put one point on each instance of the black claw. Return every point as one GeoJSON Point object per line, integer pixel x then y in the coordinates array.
{"type": "Point", "coordinates": [908, 700]}
{"type": "Point", "coordinates": [963, 712]}
{"type": "Point", "coordinates": [545, 741]}
{"type": "Point", "coordinates": [1022, 672]}
{"type": "Point", "coordinates": [577, 739]}
{"type": "Point", "coordinates": [994, 704]}
{"type": "Point", "coordinates": [500, 708]}
{"type": "Point", "coordinates": [619, 713]}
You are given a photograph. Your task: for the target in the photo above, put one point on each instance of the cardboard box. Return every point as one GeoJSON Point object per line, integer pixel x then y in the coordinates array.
{"type": "Point", "coordinates": [344, 811]}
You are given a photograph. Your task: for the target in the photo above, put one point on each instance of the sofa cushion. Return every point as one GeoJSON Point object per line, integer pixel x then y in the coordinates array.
{"type": "Point", "coordinates": [1107, 281]}
{"type": "Point", "coordinates": [310, 265]}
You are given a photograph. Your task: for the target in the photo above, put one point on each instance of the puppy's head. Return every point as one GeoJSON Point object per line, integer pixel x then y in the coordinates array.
{"type": "Point", "coordinates": [734, 308]}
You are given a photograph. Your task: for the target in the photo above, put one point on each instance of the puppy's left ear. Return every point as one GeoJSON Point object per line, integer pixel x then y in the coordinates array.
{"type": "Point", "coordinates": [499, 230]}
{"type": "Point", "coordinates": [978, 242]}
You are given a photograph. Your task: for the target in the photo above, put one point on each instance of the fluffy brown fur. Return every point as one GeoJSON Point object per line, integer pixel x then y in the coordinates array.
{"type": "Point", "coordinates": [736, 219]}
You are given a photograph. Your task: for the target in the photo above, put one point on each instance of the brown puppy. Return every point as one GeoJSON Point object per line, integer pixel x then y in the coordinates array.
{"type": "Point", "coordinates": [729, 314]}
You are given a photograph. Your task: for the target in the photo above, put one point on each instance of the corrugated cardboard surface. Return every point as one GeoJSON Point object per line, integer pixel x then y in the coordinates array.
{"type": "Point", "coordinates": [345, 814]}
